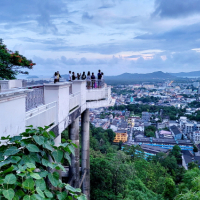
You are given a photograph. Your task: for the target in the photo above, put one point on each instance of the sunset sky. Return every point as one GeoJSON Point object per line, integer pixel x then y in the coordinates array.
{"type": "Point", "coordinates": [116, 36]}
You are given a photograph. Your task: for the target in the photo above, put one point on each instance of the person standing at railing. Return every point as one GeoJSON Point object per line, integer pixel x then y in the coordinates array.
{"type": "Point", "coordinates": [88, 80]}
{"type": "Point", "coordinates": [73, 76]}
{"type": "Point", "coordinates": [58, 76]}
{"type": "Point", "coordinates": [78, 76]}
{"type": "Point", "coordinates": [69, 76]}
{"type": "Point", "coordinates": [83, 77]}
{"type": "Point", "coordinates": [99, 75]}
{"type": "Point", "coordinates": [93, 80]}
{"type": "Point", "coordinates": [55, 77]}
{"type": "Point", "coordinates": [102, 80]}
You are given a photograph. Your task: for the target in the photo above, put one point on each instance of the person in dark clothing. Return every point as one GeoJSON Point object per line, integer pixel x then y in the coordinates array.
{"type": "Point", "coordinates": [99, 75]}
{"type": "Point", "coordinates": [83, 77]}
{"type": "Point", "coordinates": [55, 77]}
{"type": "Point", "coordinates": [73, 76]}
{"type": "Point", "coordinates": [78, 76]}
{"type": "Point", "coordinates": [93, 80]}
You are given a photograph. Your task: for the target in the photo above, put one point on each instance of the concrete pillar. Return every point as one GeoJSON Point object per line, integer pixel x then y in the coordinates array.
{"type": "Point", "coordinates": [59, 93]}
{"type": "Point", "coordinates": [85, 162]}
{"type": "Point", "coordinates": [74, 167]}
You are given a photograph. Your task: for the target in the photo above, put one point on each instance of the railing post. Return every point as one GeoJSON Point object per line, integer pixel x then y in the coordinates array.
{"type": "Point", "coordinates": [85, 152]}
{"type": "Point", "coordinates": [58, 92]}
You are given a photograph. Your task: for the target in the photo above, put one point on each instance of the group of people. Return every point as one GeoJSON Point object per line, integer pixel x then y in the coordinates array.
{"type": "Point", "coordinates": [92, 80]}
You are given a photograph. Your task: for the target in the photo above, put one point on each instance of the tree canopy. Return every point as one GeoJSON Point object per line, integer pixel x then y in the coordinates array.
{"type": "Point", "coordinates": [12, 63]}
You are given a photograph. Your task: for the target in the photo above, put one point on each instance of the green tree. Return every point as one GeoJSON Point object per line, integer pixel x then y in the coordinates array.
{"type": "Point", "coordinates": [170, 189]}
{"type": "Point", "coordinates": [12, 63]}
{"type": "Point", "coordinates": [195, 149]}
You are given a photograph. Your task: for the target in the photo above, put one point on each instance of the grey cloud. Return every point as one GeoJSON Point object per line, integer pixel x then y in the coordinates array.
{"type": "Point", "coordinates": [184, 33]}
{"type": "Point", "coordinates": [176, 8]}
{"type": "Point", "coordinates": [43, 12]}
{"type": "Point", "coordinates": [87, 17]}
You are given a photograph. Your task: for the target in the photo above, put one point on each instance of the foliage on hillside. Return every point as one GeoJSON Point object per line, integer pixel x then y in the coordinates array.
{"type": "Point", "coordinates": [149, 131]}
{"type": "Point", "coordinates": [12, 63]}
{"type": "Point", "coordinates": [117, 175]}
{"type": "Point", "coordinates": [170, 111]}
{"type": "Point", "coordinates": [26, 171]}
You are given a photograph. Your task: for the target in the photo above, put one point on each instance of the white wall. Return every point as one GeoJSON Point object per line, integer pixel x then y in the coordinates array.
{"type": "Point", "coordinates": [12, 113]}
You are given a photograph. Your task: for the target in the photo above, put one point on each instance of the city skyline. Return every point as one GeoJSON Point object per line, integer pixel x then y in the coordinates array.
{"type": "Point", "coordinates": [115, 36]}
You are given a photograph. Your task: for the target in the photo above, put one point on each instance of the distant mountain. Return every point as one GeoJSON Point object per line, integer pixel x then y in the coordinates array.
{"type": "Point", "coordinates": [154, 75]}
{"type": "Point", "coordinates": [185, 74]}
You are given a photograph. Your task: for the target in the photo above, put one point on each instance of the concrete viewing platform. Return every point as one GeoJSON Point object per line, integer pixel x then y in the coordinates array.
{"type": "Point", "coordinates": [46, 104]}
{"type": "Point", "coordinates": [59, 105]}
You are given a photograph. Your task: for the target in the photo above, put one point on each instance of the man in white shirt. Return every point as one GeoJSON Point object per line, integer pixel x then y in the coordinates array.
{"type": "Point", "coordinates": [69, 78]}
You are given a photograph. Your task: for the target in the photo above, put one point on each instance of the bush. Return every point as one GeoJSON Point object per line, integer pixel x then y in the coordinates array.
{"type": "Point", "coordinates": [25, 168]}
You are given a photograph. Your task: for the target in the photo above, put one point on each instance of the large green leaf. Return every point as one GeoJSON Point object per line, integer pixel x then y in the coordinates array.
{"type": "Point", "coordinates": [10, 169]}
{"type": "Point", "coordinates": [30, 165]}
{"type": "Point", "coordinates": [39, 191]}
{"type": "Point", "coordinates": [28, 184]}
{"type": "Point", "coordinates": [54, 178]}
{"type": "Point", "coordinates": [58, 156]}
{"type": "Point", "coordinates": [15, 159]}
{"type": "Point", "coordinates": [1, 156]}
{"type": "Point", "coordinates": [4, 163]}
{"type": "Point", "coordinates": [10, 179]}
{"type": "Point", "coordinates": [82, 197]}
{"type": "Point", "coordinates": [9, 194]}
{"type": "Point", "coordinates": [39, 139]}
{"type": "Point", "coordinates": [19, 193]}
{"type": "Point", "coordinates": [52, 165]}
{"type": "Point", "coordinates": [35, 175]}
{"type": "Point", "coordinates": [68, 157]}
{"type": "Point", "coordinates": [16, 138]}
{"type": "Point", "coordinates": [35, 157]}
{"type": "Point", "coordinates": [15, 198]}
{"type": "Point", "coordinates": [48, 146]}
{"type": "Point", "coordinates": [11, 151]}
{"type": "Point", "coordinates": [62, 195]}
{"type": "Point", "coordinates": [48, 193]}
{"type": "Point", "coordinates": [32, 148]}
{"type": "Point", "coordinates": [71, 189]}
{"type": "Point", "coordinates": [36, 197]}
{"type": "Point", "coordinates": [27, 197]}
{"type": "Point", "coordinates": [51, 133]}
{"type": "Point", "coordinates": [43, 174]}
{"type": "Point", "coordinates": [71, 148]}
{"type": "Point", "coordinates": [41, 184]}
{"type": "Point", "coordinates": [45, 162]}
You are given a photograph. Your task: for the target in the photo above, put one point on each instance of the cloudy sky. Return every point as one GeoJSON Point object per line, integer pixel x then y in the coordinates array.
{"type": "Point", "coordinates": [117, 36]}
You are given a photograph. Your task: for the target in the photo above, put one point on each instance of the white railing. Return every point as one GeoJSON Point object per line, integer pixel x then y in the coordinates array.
{"type": "Point", "coordinates": [43, 115]}
{"type": "Point", "coordinates": [96, 94]}
{"type": "Point", "coordinates": [74, 100]}
{"type": "Point", "coordinates": [95, 83]}
{"type": "Point", "coordinates": [35, 98]}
